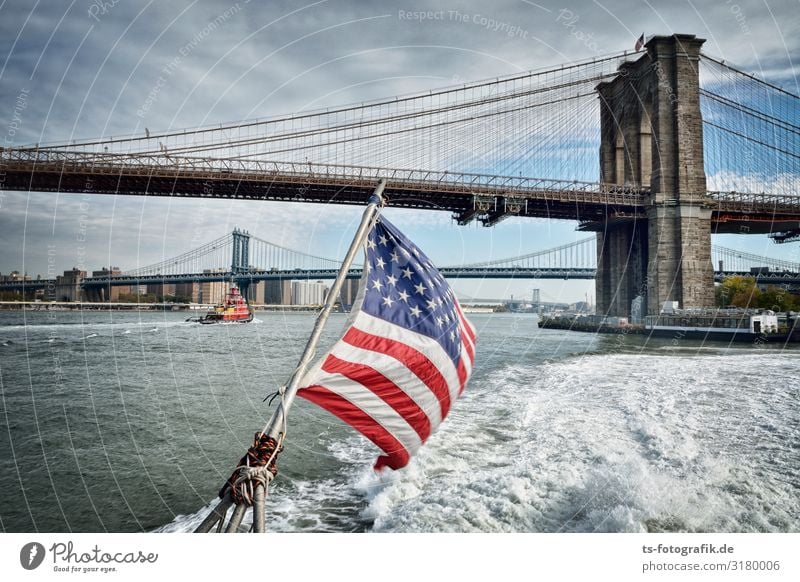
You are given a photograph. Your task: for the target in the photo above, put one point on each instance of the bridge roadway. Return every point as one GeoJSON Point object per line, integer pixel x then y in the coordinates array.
{"type": "Point", "coordinates": [483, 197]}
{"type": "Point", "coordinates": [775, 278]}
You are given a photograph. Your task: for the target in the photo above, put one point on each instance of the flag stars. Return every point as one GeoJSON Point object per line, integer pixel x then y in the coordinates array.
{"type": "Point", "coordinates": [404, 288]}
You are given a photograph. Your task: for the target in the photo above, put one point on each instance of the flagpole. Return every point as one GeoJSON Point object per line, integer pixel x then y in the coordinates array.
{"type": "Point", "coordinates": [276, 426]}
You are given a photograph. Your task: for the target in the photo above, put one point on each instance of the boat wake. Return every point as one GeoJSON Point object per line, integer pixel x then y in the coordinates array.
{"type": "Point", "coordinates": [604, 443]}
{"type": "Point", "coordinates": [595, 443]}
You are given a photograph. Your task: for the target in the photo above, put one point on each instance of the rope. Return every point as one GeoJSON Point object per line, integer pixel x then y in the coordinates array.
{"type": "Point", "coordinates": [256, 467]}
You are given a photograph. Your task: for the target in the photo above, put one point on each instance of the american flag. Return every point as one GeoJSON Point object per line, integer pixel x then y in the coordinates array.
{"type": "Point", "coordinates": [406, 353]}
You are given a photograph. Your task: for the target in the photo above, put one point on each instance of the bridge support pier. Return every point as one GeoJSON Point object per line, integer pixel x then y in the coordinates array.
{"type": "Point", "coordinates": [652, 135]}
{"type": "Point", "coordinates": [679, 262]}
{"type": "Point", "coordinates": [621, 267]}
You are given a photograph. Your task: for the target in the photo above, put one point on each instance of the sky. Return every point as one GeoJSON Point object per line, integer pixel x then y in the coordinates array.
{"type": "Point", "coordinates": [80, 69]}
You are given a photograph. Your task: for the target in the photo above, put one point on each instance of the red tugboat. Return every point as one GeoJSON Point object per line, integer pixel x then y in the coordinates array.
{"type": "Point", "coordinates": [233, 308]}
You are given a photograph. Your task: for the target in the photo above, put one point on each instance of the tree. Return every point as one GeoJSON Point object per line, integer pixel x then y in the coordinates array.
{"type": "Point", "coordinates": [743, 292]}
{"type": "Point", "coordinates": [738, 291]}
{"type": "Point", "coordinates": [777, 299]}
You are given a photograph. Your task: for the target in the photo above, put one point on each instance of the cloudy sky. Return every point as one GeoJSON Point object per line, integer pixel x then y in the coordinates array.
{"type": "Point", "coordinates": [84, 69]}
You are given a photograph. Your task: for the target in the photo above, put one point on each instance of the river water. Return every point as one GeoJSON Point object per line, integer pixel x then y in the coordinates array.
{"type": "Point", "coordinates": [123, 422]}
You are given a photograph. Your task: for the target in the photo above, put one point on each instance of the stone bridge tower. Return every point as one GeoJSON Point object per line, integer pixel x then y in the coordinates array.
{"type": "Point", "coordinates": [652, 136]}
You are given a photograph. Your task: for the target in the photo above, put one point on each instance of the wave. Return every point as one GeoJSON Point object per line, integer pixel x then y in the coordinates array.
{"type": "Point", "coordinates": [89, 324]}
{"type": "Point", "coordinates": [594, 443]}
{"type": "Point", "coordinates": [600, 443]}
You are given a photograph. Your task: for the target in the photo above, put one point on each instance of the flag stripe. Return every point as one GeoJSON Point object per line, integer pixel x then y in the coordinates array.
{"type": "Point", "coordinates": [462, 376]}
{"type": "Point", "coordinates": [397, 455]}
{"type": "Point", "coordinates": [415, 361]}
{"type": "Point", "coordinates": [385, 389]}
{"type": "Point", "coordinates": [388, 366]}
{"type": "Point", "coordinates": [467, 363]}
{"type": "Point", "coordinates": [468, 346]}
{"type": "Point", "coordinates": [423, 344]}
{"type": "Point", "coordinates": [372, 405]}
{"type": "Point", "coordinates": [467, 338]}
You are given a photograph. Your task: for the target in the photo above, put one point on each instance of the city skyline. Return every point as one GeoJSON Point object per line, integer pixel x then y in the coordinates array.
{"type": "Point", "coordinates": [291, 291]}
{"type": "Point", "coordinates": [106, 71]}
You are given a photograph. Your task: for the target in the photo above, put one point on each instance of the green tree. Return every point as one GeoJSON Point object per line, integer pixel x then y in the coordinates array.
{"type": "Point", "coordinates": [743, 292]}
{"type": "Point", "coordinates": [738, 291]}
{"type": "Point", "coordinates": [777, 299]}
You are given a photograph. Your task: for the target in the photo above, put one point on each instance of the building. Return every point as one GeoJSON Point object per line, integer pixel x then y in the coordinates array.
{"type": "Point", "coordinates": [308, 292]}
{"type": "Point", "coordinates": [188, 291]}
{"type": "Point", "coordinates": [108, 292]}
{"type": "Point", "coordinates": [212, 292]}
{"type": "Point", "coordinates": [257, 292]}
{"type": "Point", "coordinates": [68, 285]}
{"type": "Point", "coordinates": [13, 276]}
{"type": "Point", "coordinates": [16, 277]}
{"type": "Point", "coordinates": [278, 292]}
{"type": "Point", "coordinates": [161, 289]}
{"type": "Point", "coordinates": [348, 293]}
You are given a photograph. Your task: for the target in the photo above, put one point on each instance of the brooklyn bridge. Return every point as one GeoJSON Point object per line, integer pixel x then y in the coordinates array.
{"type": "Point", "coordinates": [654, 151]}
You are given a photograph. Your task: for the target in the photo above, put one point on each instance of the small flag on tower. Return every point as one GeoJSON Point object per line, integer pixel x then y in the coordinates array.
{"type": "Point", "coordinates": [639, 43]}
{"type": "Point", "coordinates": [406, 353]}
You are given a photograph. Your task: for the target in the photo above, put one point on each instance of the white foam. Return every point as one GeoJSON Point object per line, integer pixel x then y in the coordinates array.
{"type": "Point", "coordinates": [621, 442]}
{"type": "Point", "coordinates": [597, 443]}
